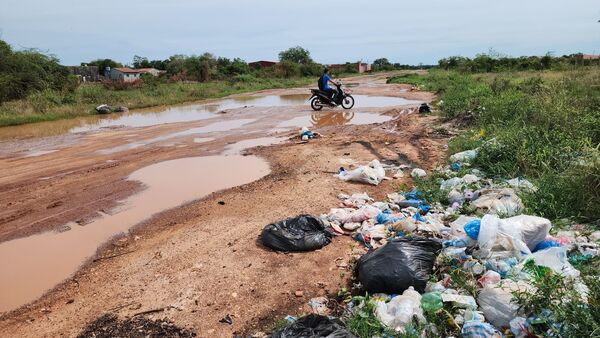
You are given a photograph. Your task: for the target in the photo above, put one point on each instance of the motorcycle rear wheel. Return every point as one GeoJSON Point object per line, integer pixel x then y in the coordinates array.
{"type": "Point", "coordinates": [348, 102]}
{"type": "Point", "coordinates": [316, 104]}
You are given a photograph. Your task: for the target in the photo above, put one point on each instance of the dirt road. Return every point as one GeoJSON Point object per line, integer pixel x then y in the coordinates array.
{"type": "Point", "coordinates": [200, 261]}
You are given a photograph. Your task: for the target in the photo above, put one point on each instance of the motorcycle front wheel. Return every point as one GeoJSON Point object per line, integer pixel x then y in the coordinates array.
{"type": "Point", "coordinates": [316, 104]}
{"type": "Point", "coordinates": [348, 102]}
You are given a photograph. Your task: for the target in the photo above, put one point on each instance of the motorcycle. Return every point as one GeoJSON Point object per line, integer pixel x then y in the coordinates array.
{"type": "Point", "coordinates": [320, 99]}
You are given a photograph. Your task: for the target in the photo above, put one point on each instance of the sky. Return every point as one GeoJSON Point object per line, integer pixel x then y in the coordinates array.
{"type": "Point", "coordinates": [334, 31]}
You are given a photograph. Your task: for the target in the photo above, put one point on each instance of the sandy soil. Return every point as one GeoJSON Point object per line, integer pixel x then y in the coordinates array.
{"type": "Point", "coordinates": [201, 261]}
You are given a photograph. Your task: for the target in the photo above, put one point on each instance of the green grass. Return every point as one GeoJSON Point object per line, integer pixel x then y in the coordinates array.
{"type": "Point", "coordinates": [51, 105]}
{"type": "Point", "coordinates": [546, 127]}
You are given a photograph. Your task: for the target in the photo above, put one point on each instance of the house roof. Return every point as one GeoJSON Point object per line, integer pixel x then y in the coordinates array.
{"type": "Point", "coordinates": [127, 70]}
{"type": "Point", "coordinates": [146, 70]}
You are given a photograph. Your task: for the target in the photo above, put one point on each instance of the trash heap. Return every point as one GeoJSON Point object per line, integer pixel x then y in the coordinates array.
{"type": "Point", "coordinates": [461, 260]}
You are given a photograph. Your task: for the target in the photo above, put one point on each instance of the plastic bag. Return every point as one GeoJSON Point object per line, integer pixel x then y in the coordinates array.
{"type": "Point", "coordinates": [556, 259]}
{"type": "Point", "coordinates": [431, 302]}
{"type": "Point", "coordinates": [400, 311]}
{"type": "Point", "coordinates": [479, 329]}
{"type": "Point", "coordinates": [498, 201]}
{"type": "Point", "coordinates": [490, 277]}
{"type": "Point", "coordinates": [494, 243]}
{"type": "Point", "coordinates": [545, 244]}
{"type": "Point", "coordinates": [364, 213]}
{"type": "Point", "coordinates": [371, 174]}
{"type": "Point", "coordinates": [301, 233]}
{"type": "Point", "coordinates": [496, 302]}
{"type": "Point", "coordinates": [530, 229]}
{"type": "Point", "coordinates": [398, 265]}
{"type": "Point", "coordinates": [464, 156]}
{"type": "Point", "coordinates": [314, 326]}
{"type": "Point", "coordinates": [418, 172]}
{"type": "Point", "coordinates": [472, 228]}
{"type": "Point", "coordinates": [458, 226]}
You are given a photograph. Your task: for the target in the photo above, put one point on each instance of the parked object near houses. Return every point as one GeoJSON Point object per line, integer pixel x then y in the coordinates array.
{"type": "Point", "coordinates": [301, 233]}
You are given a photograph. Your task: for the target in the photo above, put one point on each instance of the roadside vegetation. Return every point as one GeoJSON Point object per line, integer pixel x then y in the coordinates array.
{"type": "Point", "coordinates": [35, 87]}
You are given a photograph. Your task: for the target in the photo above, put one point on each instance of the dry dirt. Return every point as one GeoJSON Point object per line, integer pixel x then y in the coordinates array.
{"type": "Point", "coordinates": [202, 261]}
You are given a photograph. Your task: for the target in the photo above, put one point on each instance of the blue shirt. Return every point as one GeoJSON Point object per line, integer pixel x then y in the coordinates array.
{"type": "Point", "coordinates": [325, 83]}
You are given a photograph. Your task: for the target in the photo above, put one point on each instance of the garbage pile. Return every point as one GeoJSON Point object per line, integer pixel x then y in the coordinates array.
{"type": "Point", "coordinates": [462, 259]}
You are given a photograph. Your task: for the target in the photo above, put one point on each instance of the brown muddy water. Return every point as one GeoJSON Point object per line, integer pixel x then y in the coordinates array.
{"type": "Point", "coordinates": [179, 113]}
{"type": "Point", "coordinates": [34, 264]}
{"type": "Point", "coordinates": [30, 266]}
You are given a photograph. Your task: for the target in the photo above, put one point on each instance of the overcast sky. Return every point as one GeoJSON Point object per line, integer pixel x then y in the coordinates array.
{"type": "Point", "coordinates": [334, 31]}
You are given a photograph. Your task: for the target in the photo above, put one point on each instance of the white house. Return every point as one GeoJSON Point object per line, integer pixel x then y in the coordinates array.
{"type": "Point", "coordinates": [151, 71]}
{"type": "Point", "coordinates": [124, 74]}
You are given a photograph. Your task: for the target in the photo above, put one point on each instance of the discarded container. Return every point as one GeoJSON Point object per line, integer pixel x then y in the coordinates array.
{"type": "Point", "coordinates": [432, 302]}
{"type": "Point", "coordinates": [301, 233]}
{"type": "Point", "coordinates": [399, 311]}
{"type": "Point", "coordinates": [314, 326]}
{"type": "Point", "coordinates": [398, 265]}
{"type": "Point", "coordinates": [464, 156]}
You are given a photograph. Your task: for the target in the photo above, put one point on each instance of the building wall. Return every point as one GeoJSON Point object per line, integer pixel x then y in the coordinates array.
{"type": "Point", "coordinates": [127, 77]}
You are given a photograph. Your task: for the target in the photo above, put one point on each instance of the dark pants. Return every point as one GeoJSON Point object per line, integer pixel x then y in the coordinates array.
{"type": "Point", "coordinates": [331, 92]}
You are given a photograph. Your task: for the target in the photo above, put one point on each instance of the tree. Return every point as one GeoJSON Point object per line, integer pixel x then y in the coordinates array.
{"type": "Point", "coordinates": [382, 64]}
{"type": "Point", "coordinates": [24, 72]}
{"type": "Point", "coordinates": [140, 62]}
{"type": "Point", "coordinates": [296, 55]}
{"type": "Point", "coordinates": [103, 64]}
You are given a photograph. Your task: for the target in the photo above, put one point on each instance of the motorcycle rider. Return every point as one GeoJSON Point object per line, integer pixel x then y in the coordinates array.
{"type": "Point", "coordinates": [324, 81]}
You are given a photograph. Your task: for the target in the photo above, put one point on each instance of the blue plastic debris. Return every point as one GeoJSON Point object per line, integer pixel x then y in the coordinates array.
{"type": "Point", "coordinates": [411, 203]}
{"type": "Point", "coordinates": [419, 218]}
{"type": "Point", "coordinates": [385, 218]}
{"type": "Point", "coordinates": [414, 194]}
{"type": "Point", "coordinates": [424, 208]}
{"type": "Point", "coordinates": [472, 228]}
{"type": "Point", "coordinates": [545, 244]}
{"type": "Point", "coordinates": [455, 166]}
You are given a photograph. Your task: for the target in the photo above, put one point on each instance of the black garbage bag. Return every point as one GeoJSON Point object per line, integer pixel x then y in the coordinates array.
{"type": "Point", "coordinates": [424, 108]}
{"type": "Point", "coordinates": [314, 326]}
{"type": "Point", "coordinates": [397, 265]}
{"type": "Point", "coordinates": [301, 233]}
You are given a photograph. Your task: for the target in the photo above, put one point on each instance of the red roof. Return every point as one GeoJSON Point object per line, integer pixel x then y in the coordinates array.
{"type": "Point", "coordinates": [127, 70]}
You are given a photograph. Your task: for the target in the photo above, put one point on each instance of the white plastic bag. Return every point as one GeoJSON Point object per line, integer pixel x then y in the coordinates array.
{"type": "Point", "coordinates": [530, 229]}
{"type": "Point", "coordinates": [464, 156]}
{"type": "Point", "coordinates": [495, 242]}
{"type": "Point", "coordinates": [496, 302]}
{"type": "Point", "coordinates": [371, 174]}
{"type": "Point", "coordinates": [499, 201]}
{"type": "Point", "coordinates": [399, 311]}
{"type": "Point", "coordinates": [418, 172]}
{"type": "Point", "coordinates": [556, 259]}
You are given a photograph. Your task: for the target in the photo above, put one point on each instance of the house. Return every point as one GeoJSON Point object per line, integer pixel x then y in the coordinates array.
{"type": "Point", "coordinates": [85, 73]}
{"type": "Point", "coordinates": [262, 64]}
{"type": "Point", "coordinates": [590, 56]}
{"type": "Point", "coordinates": [122, 74]}
{"type": "Point", "coordinates": [151, 71]}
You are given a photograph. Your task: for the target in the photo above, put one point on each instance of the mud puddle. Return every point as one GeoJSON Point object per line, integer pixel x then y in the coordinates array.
{"type": "Point", "coordinates": [334, 118]}
{"type": "Point", "coordinates": [179, 113]}
{"type": "Point", "coordinates": [32, 265]}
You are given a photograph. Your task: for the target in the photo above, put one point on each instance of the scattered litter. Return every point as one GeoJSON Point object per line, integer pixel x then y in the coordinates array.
{"type": "Point", "coordinates": [301, 233]}
{"type": "Point", "coordinates": [306, 134]}
{"type": "Point", "coordinates": [314, 326]}
{"type": "Point", "coordinates": [370, 174]}
{"type": "Point", "coordinates": [319, 306]}
{"type": "Point", "coordinates": [465, 156]}
{"type": "Point", "coordinates": [412, 259]}
{"type": "Point", "coordinates": [418, 172]}
{"type": "Point", "coordinates": [400, 311]}
{"type": "Point", "coordinates": [226, 320]}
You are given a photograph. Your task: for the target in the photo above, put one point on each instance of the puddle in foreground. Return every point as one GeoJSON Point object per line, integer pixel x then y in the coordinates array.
{"type": "Point", "coordinates": [334, 118]}
{"type": "Point", "coordinates": [34, 264]}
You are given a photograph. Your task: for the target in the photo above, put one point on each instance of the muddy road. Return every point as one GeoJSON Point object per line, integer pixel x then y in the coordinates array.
{"type": "Point", "coordinates": [160, 209]}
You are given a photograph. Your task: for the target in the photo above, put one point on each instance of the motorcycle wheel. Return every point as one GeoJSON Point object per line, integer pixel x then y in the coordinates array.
{"type": "Point", "coordinates": [316, 104]}
{"type": "Point", "coordinates": [348, 102]}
